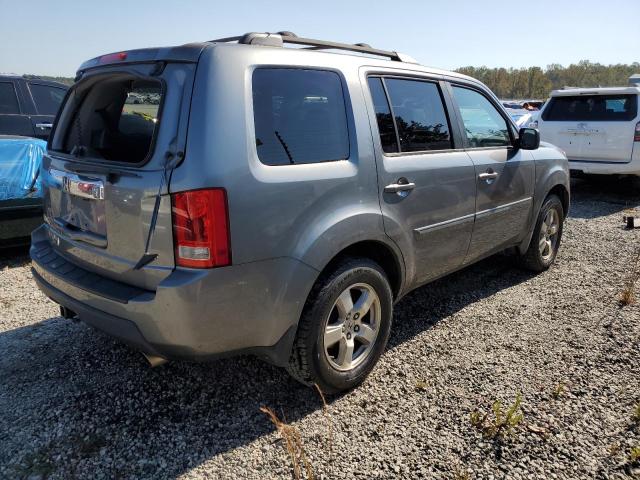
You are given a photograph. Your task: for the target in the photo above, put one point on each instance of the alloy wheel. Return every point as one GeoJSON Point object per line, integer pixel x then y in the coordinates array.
{"type": "Point", "coordinates": [352, 327]}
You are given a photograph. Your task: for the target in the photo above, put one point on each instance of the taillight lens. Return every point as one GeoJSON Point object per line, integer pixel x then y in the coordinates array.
{"type": "Point", "coordinates": [636, 136]}
{"type": "Point", "coordinates": [201, 228]}
{"type": "Point", "coordinates": [113, 57]}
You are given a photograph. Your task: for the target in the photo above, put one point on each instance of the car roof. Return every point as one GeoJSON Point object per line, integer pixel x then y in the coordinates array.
{"type": "Point", "coordinates": [357, 59]}
{"type": "Point", "coordinates": [572, 92]}
{"type": "Point", "coordinates": [251, 42]}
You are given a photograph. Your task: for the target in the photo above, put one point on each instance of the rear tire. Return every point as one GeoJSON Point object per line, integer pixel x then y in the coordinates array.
{"type": "Point", "coordinates": [546, 238]}
{"type": "Point", "coordinates": [344, 327]}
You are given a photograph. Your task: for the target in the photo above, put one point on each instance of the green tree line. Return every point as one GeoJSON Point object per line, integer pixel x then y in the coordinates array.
{"type": "Point", "coordinates": [536, 83]}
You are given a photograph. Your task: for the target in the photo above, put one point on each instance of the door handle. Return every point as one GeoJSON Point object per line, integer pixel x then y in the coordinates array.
{"type": "Point", "coordinates": [488, 176]}
{"type": "Point", "coordinates": [403, 185]}
{"type": "Point", "coordinates": [44, 125]}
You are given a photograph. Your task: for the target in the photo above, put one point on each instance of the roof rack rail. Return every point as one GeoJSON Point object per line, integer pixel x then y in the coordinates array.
{"type": "Point", "coordinates": [280, 38]}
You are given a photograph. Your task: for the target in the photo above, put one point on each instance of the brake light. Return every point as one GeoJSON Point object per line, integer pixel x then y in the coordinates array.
{"type": "Point", "coordinates": [113, 57]}
{"type": "Point", "coordinates": [201, 228]}
{"type": "Point", "coordinates": [636, 135]}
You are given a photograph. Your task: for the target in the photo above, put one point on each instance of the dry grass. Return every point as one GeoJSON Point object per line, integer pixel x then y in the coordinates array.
{"type": "Point", "coordinates": [460, 474]}
{"type": "Point", "coordinates": [559, 391]}
{"type": "Point", "coordinates": [293, 443]}
{"type": "Point", "coordinates": [421, 386]}
{"type": "Point", "coordinates": [325, 412]}
{"type": "Point", "coordinates": [628, 294]}
{"type": "Point", "coordinates": [293, 440]}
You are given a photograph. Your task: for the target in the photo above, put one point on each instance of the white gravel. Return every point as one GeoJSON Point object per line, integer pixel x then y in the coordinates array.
{"type": "Point", "coordinates": [74, 403]}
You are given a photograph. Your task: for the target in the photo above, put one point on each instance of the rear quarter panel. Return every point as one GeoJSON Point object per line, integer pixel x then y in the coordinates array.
{"type": "Point", "coordinates": [308, 212]}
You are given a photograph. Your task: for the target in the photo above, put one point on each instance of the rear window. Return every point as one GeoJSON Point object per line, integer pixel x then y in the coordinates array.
{"type": "Point", "coordinates": [116, 119]}
{"type": "Point", "coordinates": [299, 116]}
{"type": "Point", "coordinates": [47, 98]}
{"type": "Point", "coordinates": [592, 108]}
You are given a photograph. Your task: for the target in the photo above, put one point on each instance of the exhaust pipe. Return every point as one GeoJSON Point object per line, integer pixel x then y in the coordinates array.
{"type": "Point", "coordinates": [154, 360]}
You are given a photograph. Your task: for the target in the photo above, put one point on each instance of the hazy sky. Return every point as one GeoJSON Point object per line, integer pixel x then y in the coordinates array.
{"type": "Point", "coordinates": [52, 37]}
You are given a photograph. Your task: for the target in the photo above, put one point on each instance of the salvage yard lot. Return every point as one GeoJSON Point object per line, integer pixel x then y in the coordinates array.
{"type": "Point", "coordinates": [75, 403]}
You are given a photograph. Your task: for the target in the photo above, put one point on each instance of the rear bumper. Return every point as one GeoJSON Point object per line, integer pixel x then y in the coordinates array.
{"type": "Point", "coordinates": [193, 314]}
{"type": "Point", "coordinates": [607, 168]}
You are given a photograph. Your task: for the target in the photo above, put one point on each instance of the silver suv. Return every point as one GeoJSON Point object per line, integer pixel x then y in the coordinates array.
{"type": "Point", "coordinates": [238, 196]}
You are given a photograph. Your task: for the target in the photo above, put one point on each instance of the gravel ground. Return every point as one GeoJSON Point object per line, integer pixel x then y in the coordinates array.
{"type": "Point", "coordinates": [74, 403]}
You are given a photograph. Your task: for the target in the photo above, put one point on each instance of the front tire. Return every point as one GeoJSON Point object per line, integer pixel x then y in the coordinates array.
{"type": "Point", "coordinates": [545, 241]}
{"type": "Point", "coordinates": [344, 327]}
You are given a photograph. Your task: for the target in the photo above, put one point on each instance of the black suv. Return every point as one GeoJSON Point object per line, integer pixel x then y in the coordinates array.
{"type": "Point", "coordinates": [28, 106]}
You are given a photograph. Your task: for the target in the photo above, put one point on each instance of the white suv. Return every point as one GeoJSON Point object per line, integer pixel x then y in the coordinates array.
{"type": "Point", "coordinates": [598, 128]}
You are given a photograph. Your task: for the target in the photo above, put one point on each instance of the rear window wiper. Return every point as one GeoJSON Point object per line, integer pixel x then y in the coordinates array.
{"type": "Point", "coordinates": [284, 145]}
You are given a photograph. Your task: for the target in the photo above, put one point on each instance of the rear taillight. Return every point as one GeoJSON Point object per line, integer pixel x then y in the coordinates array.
{"type": "Point", "coordinates": [636, 135]}
{"type": "Point", "coordinates": [201, 228]}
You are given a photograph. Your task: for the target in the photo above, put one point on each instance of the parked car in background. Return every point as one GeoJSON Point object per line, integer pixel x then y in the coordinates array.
{"type": "Point", "coordinates": [528, 105]}
{"type": "Point", "coordinates": [308, 191]}
{"type": "Point", "coordinates": [598, 128]}
{"type": "Point", "coordinates": [28, 106]}
{"type": "Point", "coordinates": [523, 118]}
{"type": "Point", "coordinates": [20, 192]}
{"type": "Point", "coordinates": [533, 105]}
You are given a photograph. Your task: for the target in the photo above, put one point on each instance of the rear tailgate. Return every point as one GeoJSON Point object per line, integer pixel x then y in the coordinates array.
{"type": "Point", "coordinates": [591, 126]}
{"type": "Point", "coordinates": [569, 136]}
{"type": "Point", "coordinates": [106, 164]}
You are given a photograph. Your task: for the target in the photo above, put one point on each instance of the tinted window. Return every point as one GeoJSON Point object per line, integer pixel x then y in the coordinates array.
{"type": "Point", "coordinates": [299, 115]}
{"type": "Point", "coordinates": [48, 99]}
{"type": "Point", "coordinates": [592, 108]}
{"type": "Point", "coordinates": [420, 116]}
{"type": "Point", "coordinates": [483, 124]}
{"type": "Point", "coordinates": [8, 98]}
{"type": "Point", "coordinates": [386, 127]}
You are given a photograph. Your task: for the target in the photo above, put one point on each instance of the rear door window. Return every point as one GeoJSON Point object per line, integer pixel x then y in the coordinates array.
{"type": "Point", "coordinates": [8, 99]}
{"type": "Point", "coordinates": [584, 108]}
{"type": "Point", "coordinates": [300, 116]}
{"type": "Point", "coordinates": [484, 126]}
{"type": "Point", "coordinates": [386, 127]}
{"type": "Point", "coordinates": [47, 99]}
{"type": "Point", "coordinates": [116, 120]}
{"type": "Point", "coordinates": [420, 115]}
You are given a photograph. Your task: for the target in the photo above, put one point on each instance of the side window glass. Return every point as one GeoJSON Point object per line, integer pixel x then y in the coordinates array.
{"type": "Point", "coordinates": [483, 124]}
{"type": "Point", "coordinates": [300, 116]}
{"type": "Point", "coordinates": [384, 118]}
{"type": "Point", "coordinates": [48, 99]}
{"type": "Point", "coordinates": [419, 114]}
{"type": "Point", "coordinates": [8, 99]}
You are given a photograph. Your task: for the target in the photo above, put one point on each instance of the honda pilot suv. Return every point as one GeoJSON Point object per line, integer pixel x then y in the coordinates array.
{"type": "Point", "coordinates": [241, 196]}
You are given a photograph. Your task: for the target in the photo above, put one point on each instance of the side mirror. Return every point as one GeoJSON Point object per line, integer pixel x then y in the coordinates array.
{"type": "Point", "coordinates": [529, 138]}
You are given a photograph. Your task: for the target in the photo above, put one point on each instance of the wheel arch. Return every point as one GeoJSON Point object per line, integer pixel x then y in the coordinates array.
{"type": "Point", "coordinates": [383, 254]}
{"type": "Point", "coordinates": [562, 192]}
{"type": "Point", "coordinates": [559, 187]}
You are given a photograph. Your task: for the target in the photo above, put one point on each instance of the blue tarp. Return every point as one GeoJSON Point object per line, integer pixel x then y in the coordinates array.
{"type": "Point", "coordinates": [20, 160]}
